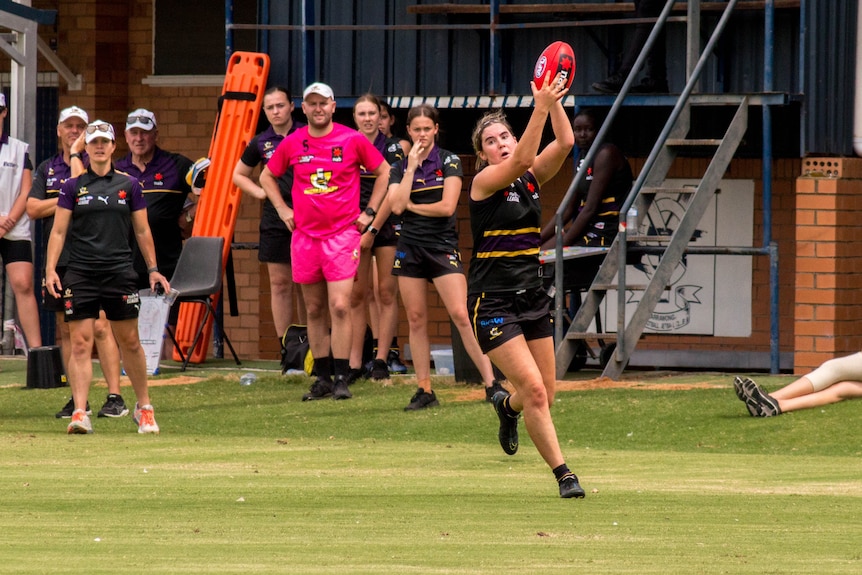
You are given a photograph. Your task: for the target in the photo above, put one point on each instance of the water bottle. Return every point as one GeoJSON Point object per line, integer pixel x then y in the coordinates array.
{"type": "Point", "coordinates": [632, 220]}
{"type": "Point", "coordinates": [247, 379]}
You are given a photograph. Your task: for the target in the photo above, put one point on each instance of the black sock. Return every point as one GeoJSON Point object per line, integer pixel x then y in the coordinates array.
{"type": "Point", "coordinates": [561, 471]}
{"type": "Point", "coordinates": [341, 367]}
{"type": "Point", "coordinates": [323, 368]}
{"type": "Point", "coordinates": [508, 408]}
{"type": "Point", "coordinates": [394, 345]}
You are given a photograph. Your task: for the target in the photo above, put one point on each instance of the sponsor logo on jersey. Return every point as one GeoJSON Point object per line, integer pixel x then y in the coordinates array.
{"type": "Point", "coordinates": [492, 321]}
{"type": "Point", "coordinates": [320, 183]}
{"type": "Point", "coordinates": [337, 154]}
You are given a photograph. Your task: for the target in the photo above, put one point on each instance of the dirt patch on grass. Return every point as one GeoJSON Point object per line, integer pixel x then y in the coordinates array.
{"type": "Point", "coordinates": [475, 393]}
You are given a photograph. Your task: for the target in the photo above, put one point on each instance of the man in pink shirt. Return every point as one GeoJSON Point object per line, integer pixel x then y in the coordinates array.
{"type": "Point", "coordinates": [327, 226]}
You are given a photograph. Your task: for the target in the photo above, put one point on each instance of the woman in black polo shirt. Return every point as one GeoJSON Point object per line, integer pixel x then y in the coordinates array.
{"type": "Point", "coordinates": [96, 213]}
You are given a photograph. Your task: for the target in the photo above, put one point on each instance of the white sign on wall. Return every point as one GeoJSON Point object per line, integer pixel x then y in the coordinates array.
{"type": "Point", "coordinates": [707, 294]}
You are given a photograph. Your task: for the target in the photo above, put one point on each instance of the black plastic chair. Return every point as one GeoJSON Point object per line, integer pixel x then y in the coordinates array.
{"type": "Point", "coordinates": [197, 278]}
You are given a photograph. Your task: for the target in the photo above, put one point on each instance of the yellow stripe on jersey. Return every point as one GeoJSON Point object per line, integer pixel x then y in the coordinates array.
{"type": "Point", "coordinates": [501, 254]}
{"type": "Point", "coordinates": [492, 233]}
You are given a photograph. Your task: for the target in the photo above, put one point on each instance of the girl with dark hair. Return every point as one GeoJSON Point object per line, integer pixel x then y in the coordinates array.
{"type": "Point", "coordinates": [424, 189]}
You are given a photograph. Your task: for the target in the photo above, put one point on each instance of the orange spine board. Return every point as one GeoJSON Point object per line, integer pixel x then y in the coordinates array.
{"type": "Point", "coordinates": [218, 206]}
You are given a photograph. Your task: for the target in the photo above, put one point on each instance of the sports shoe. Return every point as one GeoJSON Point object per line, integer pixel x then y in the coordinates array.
{"type": "Point", "coordinates": [147, 420]}
{"type": "Point", "coordinates": [80, 423]}
{"type": "Point", "coordinates": [742, 387]}
{"type": "Point", "coordinates": [569, 487]}
{"type": "Point", "coordinates": [355, 375]}
{"type": "Point", "coordinates": [508, 434]}
{"type": "Point", "coordinates": [768, 405]}
{"type": "Point", "coordinates": [318, 390]}
{"type": "Point", "coordinates": [379, 370]}
{"type": "Point", "coordinates": [394, 362]}
{"type": "Point", "coordinates": [114, 406]}
{"type": "Point", "coordinates": [339, 388]}
{"type": "Point", "coordinates": [610, 86]}
{"type": "Point", "coordinates": [67, 410]}
{"type": "Point", "coordinates": [422, 400]}
{"type": "Point", "coordinates": [491, 391]}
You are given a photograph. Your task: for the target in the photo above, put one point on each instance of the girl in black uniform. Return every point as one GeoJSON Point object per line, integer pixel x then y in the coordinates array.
{"type": "Point", "coordinates": [378, 244]}
{"type": "Point", "coordinates": [594, 215]}
{"type": "Point", "coordinates": [96, 215]}
{"type": "Point", "coordinates": [510, 311]}
{"type": "Point", "coordinates": [424, 189]}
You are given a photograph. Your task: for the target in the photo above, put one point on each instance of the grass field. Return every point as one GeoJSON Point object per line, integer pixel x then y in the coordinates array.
{"type": "Point", "coordinates": [679, 480]}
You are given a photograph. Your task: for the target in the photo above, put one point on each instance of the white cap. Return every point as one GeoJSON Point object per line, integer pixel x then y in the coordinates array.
{"type": "Point", "coordinates": [94, 131]}
{"type": "Point", "coordinates": [73, 112]}
{"type": "Point", "coordinates": [141, 118]}
{"type": "Point", "coordinates": [2, 100]}
{"type": "Point", "coordinates": [318, 88]}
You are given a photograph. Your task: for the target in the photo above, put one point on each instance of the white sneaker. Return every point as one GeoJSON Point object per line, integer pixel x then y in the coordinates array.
{"type": "Point", "coordinates": [146, 420]}
{"type": "Point", "coordinates": [80, 423]}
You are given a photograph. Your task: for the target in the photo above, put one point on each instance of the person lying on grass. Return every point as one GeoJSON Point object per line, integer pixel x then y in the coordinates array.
{"type": "Point", "coordinates": [835, 380]}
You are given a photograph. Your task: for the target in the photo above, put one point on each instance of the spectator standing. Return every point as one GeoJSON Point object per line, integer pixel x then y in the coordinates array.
{"type": "Point", "coordinates": [275, 238]}
{"type": "Point", "coordinates": [655, 69]}
{"type": "Point", "coordinates": [97, 213]}
{"type": "Point", "coordinates": [16, 176]}
{"type": "Point", "coordinates": [162, 176]}
{"type": "Point", "coordinates": [327, 224]}
{"type": "Point", "coordinates": [41, 204]}
{"type": "Point", "coordinates": [424, 189]}
{"type": "Point", "coordinates": [378, 246]}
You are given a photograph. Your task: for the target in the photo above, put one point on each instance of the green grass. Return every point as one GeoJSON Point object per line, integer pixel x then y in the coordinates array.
{"type": "Point", "coordinates": [251, 480]}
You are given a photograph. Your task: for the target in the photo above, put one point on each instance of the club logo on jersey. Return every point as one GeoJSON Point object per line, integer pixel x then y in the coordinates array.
{"type": "Point", "coordinates": [494, 333]}
{"type": "Point", "coordinates": [337, 154]}
{"type": "Point", "coordinates": [83, 191]}
{"type": "Point", "coordinates": [320, 183]}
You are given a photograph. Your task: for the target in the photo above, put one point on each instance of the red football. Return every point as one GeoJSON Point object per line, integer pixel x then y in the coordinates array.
{"type": "Point", "coordinates": [558, 57]}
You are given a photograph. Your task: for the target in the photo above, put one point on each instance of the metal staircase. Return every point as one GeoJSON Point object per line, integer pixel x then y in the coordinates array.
{"type": "Point", "coordinates": [669, 244]}
{"type": "Point", "coordinates": [673, 241]}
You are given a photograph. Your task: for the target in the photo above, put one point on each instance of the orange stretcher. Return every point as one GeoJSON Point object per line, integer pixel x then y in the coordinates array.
{"type": "Point", "coordinates": [236, 122]}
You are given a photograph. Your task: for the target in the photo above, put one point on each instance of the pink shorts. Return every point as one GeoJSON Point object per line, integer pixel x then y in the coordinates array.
{"type": "Point", "coordinates": [331, 259]}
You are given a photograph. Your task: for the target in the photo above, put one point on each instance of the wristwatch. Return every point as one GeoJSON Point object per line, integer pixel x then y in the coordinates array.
{"type": "Point", "coordinates": [372, 230]}
{"type": "Point", "coordinates": [370, 211]}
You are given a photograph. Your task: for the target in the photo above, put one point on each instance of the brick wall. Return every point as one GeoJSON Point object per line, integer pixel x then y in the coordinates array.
{"type": "Point", "coordinates": [829, 262]}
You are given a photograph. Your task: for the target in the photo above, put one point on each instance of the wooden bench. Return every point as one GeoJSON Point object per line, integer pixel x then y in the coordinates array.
{"type": "Point", "coordinates": [575, 8]}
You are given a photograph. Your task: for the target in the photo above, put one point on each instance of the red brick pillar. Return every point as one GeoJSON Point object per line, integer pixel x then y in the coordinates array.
{"type": "Point", "coordinates": [828, 282]}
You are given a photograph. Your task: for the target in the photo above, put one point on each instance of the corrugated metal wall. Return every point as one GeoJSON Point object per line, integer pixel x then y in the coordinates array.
{"type": "Point", "coordinates": [830, 67]}
{"type": "Point", "coordinates": [455, 62]}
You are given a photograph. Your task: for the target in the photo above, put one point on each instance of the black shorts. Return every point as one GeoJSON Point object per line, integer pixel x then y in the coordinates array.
{"type": "Point", "coordinates": [420, 262]}
{"type": "Point", "coordinates": [274, 246]}
{"type": "Point", "coordinates": [49, 302]}
{"type": "Point", "coordinates": [388, 235]}
{"type": "Point", "coordinates": [12, 251]}
{"type": "Point", "coordinates": [84, 294]}
{"type": "Point", "coordinates": [498, 317]}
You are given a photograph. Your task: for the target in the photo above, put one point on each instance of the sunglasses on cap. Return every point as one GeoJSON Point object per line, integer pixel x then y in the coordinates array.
{"type": "Point", "coordinates": [139, 120]}
{"type": "Point", "coordinates": [99, 127]}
